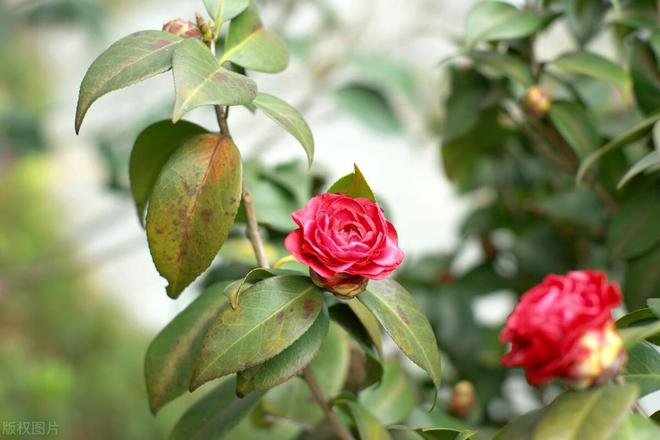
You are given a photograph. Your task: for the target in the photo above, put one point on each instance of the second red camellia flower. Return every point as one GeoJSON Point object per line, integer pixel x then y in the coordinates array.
{"type": "Point", "coordinates": [345, 241]}
{"type": "Point", "coordinates": [563, 328]}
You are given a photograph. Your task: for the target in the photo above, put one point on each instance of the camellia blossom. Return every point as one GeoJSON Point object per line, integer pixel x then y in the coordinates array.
{"type": "Point", "coordinates": [563, 328]}
{"type": "Point", "coordinates": [345, 241]}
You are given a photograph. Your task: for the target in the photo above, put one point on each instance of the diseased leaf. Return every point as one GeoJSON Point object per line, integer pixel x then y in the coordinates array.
{"type": "Point", "coordinates": [200, 80]}
{"type": "Point", "coordinates": [273, 314]}
{"type": "Point", "coordinates": [215, 414]}
{"type": "Point", "coordinates": [286, 364]}
{"type": "Point", "coordinates": [223, 10]}
{"type": "Point", "coordinates": [495, 20]}
{"type": "Point", "coordinates": [393, 399]}
{"type": "Point", "coordinates": [572, 121]}
{"type": "Point", "coordinates": [354, 185]}
{"type": "Point", "coordinates": [152, 149]}
{"type": "Point", "coordinates": [192, 208]}
{"type": "Point", "coordinates": [368, 425]}
{"type": "Point", "coordinates": [289, 119]}
{"type": "Point", "coordinates": [595, 66]}
{"type": "Point", "coordinates": [251, 46]}
{"type": "Point", "coordinates": [168, 365]}
{"type": "Point", "coordinates": [405, 322]}
{"type": "Point", "coordinates": [586, 415]}
{"type": "Point", "coordinates": [128, 61]}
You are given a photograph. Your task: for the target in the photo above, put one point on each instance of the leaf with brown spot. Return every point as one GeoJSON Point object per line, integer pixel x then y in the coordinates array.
{"type": "Point", "coordinates": [203, 176]}
{"type": "Point", "coordinates": [405, 322]}
{"type": "Point", "coordinates": [273, 314]}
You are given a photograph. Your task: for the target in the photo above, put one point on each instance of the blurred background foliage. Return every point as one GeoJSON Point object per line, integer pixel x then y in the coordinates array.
{"type": "Point", "coordinates": [73, 357]}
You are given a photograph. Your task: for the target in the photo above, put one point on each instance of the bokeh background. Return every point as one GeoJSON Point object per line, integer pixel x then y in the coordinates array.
{"type": "Point", "coordinates": [79, 296]}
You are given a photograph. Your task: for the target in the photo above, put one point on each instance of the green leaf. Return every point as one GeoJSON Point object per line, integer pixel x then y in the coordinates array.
{"type": "Point", "coordinates": [152, 149]}
{"type": "Point", "coordinates": [286, 364]}
{"type": "Point", "coordinates": [503, 66]}
{"type": "Point", "coordinates": [192, 208]}
{"type": "Point", "coordinates": [251, 46]}
{"type": "Point", "coordinates": [595, 66]}
{"type": "Point", "coordinates": [368, 425]}
{"type": "Point", "coordinates": [236, 289]}
{"type": "Point", "coordinates": [168, 365]}
{"type": "Point", "coordinates": [635, 229]}
{"type": "Point", "coordinates": [128, 61]}
{"type": "Point", "coordinates": [654, 306]}
{"type": "Point", "coordinates": [521, 427]}
{"type": "Point", "coordinates": [273, 314]}
{"type": "Point", "coordinates": [574, 124]}
{"type": "Point", "coordinates": [200, 80]}
{"type": "Point", "coordinates": [289, 119]}
{"type": "Point", "coordinates": [645, 77]}
{"type": "Point", "coordinates": [354, 185]}
{"type": "Point", "coordinates": [586, 415]}
{"type": "Point", "coordinates": [643, 367]}
{"type": "Point", "coordinates": [445, 434]}
{"type": "Point", "coordinates": [624, 138]}
{"type": "Point", "coordinates": [223, 10]}
{"type": "Point", "coordinates": [370, 105]}
{"type": "Point", "coordinates": [633, 335]}
{"type": "Point", "coordinates": [359, 322]}
{"type": "Point", "coordinates": [642, 279]}
{"type": "Point", "coordinates": [635, 317]}
{"type": "Point", "coordinates": [494, 20]}
{"type": "Point", "coordinates": [650, 162]}
{"type": "Point", "coordinates": [405, 322]}
{"type": "Point", "coordinates": [215, 414]}
{"type": "Point", "coordinates": [394, 399]}
{"type": "Point", "coordinates": [584, 18]}
{"type": "Point", "coordinates": [637, 427]}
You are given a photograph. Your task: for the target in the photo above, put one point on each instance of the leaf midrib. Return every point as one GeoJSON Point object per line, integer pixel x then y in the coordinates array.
{"type": "Point", "coordinates": [231, 51]}
{"type": "Point", "coordinates": [586, 410]}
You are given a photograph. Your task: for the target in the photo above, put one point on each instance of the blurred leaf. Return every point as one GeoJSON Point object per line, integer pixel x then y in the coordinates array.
{"type": "Point", "coordinates": [504, 66]}
{"type": "Point", "coordinates": [201, 80]}
{"type": "Point", "coordinates": [272, 203]}
{"type": "Point", "coordinates": [643, 367]}
{"type": "Point", "coordinates": [634, 334]}
{"type": "Point", "coordinates": [574, 124]}
{"type": "Point", "coordinates": [289, 119]}
{"type": "Point", "coordinates": [192, 208]}
{"type": "Point", "coordinates": [256, 427]}
{"type": "Point", "coordinates": [128, 61]}
{"type": "Point", "coordinates": [635, 229]}
{"type": "Point", "coordinates": [239, 251]}
{"type": "Point", "coordinates": [650, 162]}
{"type": "Point", "coordinates": [596, 66]}
{"type": "Point", "coordinates": [393, 399]}
{"type": "Point", "coordinates": [637, 427]}
{"type": "Point", "coordinates": [521, 427]}
{"type": "Point", "coordinates": [468, 91]}
{"type": "Point", "coordinates": [655, 43]}
{"type": "Point", "coordinates": [386, 73]}
{"type": "Point", "coordinates": [584, 18]}
{"type": "Point", "coordinates": [635, 317]}
{"type": "Point", "coordinates": [273, 314]}
{"type": "Point", "coordinates": [151, 151]}
{"type": "Point", "coordinates": [168, 366]}
{"type": "Point", "coordinates": [286, 364]}
{"type": "Point", "coordinates": [354, 185]}
{"type": "Point", "coordinates": [642, 279]}
{"type": "Point", "coordinates": [368, 425]}
{"type": "Point", "coordinates": [645, 77]}
{"type": "Point", "coordinates": [445, 434]}
{"type": "Point", "coordinates": [369, 105]}
{"type": "Point", "coordinates": [406, 324]}
{"type": "Point", "coordinates": [579, 206]}
{"type": "Point", "coordinates": [586, 415]}
{"type": "Point", "coordinates": [494, 20]}
{"type": "Point", "coordinates": [215, 414]}
{"type": "Point", "coordinates": [223, 10]}
{"type": "Point", "coordinates": [251, 46]}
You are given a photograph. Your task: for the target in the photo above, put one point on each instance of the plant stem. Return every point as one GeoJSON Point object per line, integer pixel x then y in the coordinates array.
{"type": "Point", "coordinates": [253, 229]}
{"type": "Point", "coordinates": [337, 427]}
{"type": "Point", "coordinates": [221, 116]}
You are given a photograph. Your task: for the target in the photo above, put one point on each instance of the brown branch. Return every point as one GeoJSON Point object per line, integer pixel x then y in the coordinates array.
{"type": "Point", "coordinates": [253, 229]}
{"type": "Point", "coordinates": [340, 431]}
{"type": "Point", "coordinates": [221, 116]}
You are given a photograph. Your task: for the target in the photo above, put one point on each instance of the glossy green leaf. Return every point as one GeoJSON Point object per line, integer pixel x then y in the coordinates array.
{"type": "Point", "coordinates": [495, 20]}
{"type": "Point", "coordinates": [354, 184]}
{"type": "Point", "coordinates": [405, 322]}
{"type": "Point", "coordinates": [503, 66]}
{"type": "Point", "coordinates": [637, 427]}
{"type": "Point", "coordinates": [215, 414]}
{"type": "Point", "coordinates": [574, 124]}
{"type": "Point", "coordinates": [520, 428]}
{"type": "Point", "coordinates": [192, 208]}
{"type": "Point", "coordinates": [631, 135]}
{"type": "Point", "coordinates": [586, 415]}
{"type": "Point", "coordinates": [367, 424]}
{"type": "Point", "coordinates": [251, 46]}
{"type": "Point", "coordinates": [393, 399]}
{"type": "Point", "coordinates": [289, 119]}
{"type": "Point", "coordinates": [445, 434]}
{"type": "Point", "coordinates": [645, 77]}
{"type": "Point", "coordinates": [359, 322]}
{"type": "Point", "coordinates": [200, 80]}
{"type": "Point", "coordinates": [649, 163]}
{"type": "Point", "coordinates": [633, 335]}
{"type": "Point", "coordinates": [643, 367]}
{"type": "Point", "coordinates": [595, 66]}
{"type": "Point", "coordinates": [152, 149]}
{"type": "Point", "coordinates": [635, 229]}
{"type": "Point", "coordinates": [236, 289]}
{"type": "Point", "coordinates": [635, 317]}
{"type": "Point", "coordinates": [223, 10]}
{"type": "Point", "coordinates": [273, 314]}
{"type": "Point", "coordinates": [168, 365]}
{"type": "Point", "coordinates": [286, 364]}
{"type": "Point", "coordinates": [128, 61]}
{"type": "Point", "coordinates": [642, 279]}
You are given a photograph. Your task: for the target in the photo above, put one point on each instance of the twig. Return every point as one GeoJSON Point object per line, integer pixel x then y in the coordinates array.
{"type": "Point", "coordinates": [221, 116]}
{"type": "Point", "coordinates": [337, 427]}
{"type": "Point", "coordinates": [253, 229]}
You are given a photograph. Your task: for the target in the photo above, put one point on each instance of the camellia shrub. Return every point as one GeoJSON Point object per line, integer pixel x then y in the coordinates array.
{"type": "Point", "coordinates": [293, 348]}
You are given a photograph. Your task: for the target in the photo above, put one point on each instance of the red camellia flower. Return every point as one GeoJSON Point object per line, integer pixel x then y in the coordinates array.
{"type": "Point", "coordinates": [345, 241]}
{"type": "Point", "coordinates": [563, 328]}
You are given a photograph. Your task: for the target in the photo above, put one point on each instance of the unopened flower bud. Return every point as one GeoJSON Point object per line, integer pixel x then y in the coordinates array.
{"type": "Point", "coordinates": [537, 101]}
{"type": "Point", "coordinates": [341, 285]}
{"type": "Point", "coordinates": [182, 28]}
{"type": "Point", "coordinates": [463, 398]}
